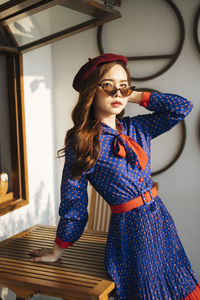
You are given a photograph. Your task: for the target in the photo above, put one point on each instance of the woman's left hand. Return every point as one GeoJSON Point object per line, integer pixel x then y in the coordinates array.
{"type": "Point", "coordinates": [47, 255]}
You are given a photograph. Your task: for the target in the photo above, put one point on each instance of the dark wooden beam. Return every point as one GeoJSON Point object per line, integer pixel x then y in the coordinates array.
{"type": "Point", "coordinates": [90, 7]}
{"type": "Point", "coordinates": [9, 4]}
{"type": "Point", "coordinates": [8, 50]}
{"type": "Point", "coordinates": [3, 38]}
{"type": "Point", "coordinates": [15, 6]}
{"type": "Point", "coordinates": [10, 40]}
{"type": "Point", "coordinates": [149, 57]}
{"type": "Point", "coordinates": [7, 39]}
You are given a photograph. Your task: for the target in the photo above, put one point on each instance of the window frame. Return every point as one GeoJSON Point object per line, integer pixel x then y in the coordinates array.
{"type": "Point", "coordinates": [19, 196]}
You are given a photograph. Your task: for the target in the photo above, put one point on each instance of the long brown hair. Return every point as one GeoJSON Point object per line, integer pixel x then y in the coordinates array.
{"type": "Point", "coordinates": [84, 135]}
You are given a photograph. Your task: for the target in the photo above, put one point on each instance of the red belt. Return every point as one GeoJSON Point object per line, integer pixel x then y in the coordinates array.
{"type": "Point", "coordinates": [146, 198]}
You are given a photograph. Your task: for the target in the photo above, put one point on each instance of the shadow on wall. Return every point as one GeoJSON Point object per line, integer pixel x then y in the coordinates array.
{"type": "Point", "coordinates": [35, 84]}
{"type": "Point", "coordinates": [40, 211]}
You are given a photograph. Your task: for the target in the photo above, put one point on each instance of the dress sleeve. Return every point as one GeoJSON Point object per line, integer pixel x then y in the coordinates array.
{"type": "Point", "coordinates": [168, 109]}
{"type": "Point", "coordinates": [73, 207]}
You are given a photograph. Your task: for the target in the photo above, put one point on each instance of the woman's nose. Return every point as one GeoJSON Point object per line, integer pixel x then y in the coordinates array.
{"type": "Point", "coordinates": [118, 93]}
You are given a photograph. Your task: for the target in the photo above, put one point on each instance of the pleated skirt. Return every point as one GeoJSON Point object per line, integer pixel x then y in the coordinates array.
{"type": "Point", "coordinates": [145, 257]}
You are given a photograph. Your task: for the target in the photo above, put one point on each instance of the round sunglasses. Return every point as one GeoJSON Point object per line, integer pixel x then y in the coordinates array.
{"type": "Point", "coordinates": [112, 90]}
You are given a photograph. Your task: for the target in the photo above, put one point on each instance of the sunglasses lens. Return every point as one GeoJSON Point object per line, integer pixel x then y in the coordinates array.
{"type": "Point", "coordinates": [110, 90]}
{"type": "Point", "coordinates": [124, 92]}
{"type": "Point", "coordinates": [127, 91]}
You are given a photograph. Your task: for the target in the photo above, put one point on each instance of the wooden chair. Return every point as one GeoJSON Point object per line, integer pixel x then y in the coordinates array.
{"type": "Point", "coordinates": [99, 213]}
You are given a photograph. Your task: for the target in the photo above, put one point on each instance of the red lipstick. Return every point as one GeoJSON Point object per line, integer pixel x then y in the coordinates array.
{"type": "Point", "coordinates": [116, 103]}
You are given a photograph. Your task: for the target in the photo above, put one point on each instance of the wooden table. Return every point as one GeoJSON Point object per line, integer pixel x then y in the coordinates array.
{"type": "Point", "coordinates": [80, 274]}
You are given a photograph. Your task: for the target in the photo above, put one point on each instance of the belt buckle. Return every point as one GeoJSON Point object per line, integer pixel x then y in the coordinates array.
{"type": "Point", "coordinates": [143, 197]}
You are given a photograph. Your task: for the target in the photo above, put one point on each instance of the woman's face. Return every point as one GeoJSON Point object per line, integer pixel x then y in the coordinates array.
{"type": "Point", "coordinates": [106, 106]}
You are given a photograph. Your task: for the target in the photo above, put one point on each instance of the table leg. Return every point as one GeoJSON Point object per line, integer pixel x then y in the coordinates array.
{"type": "Point", "coordinates": [105, 297]}
{"type": "Point", "coordinates": [22, 293]}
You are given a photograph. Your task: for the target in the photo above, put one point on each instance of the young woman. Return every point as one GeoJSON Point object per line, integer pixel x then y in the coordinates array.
{"type": "Point", "coordinates": [144, 255]}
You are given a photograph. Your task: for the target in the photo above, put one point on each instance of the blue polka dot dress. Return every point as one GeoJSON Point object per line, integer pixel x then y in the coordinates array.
{"type": "Point", "coordinates": [144, 255]}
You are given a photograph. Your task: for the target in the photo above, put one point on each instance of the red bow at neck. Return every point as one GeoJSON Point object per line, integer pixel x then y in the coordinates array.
{"type": "Point", "coordinates": [141, 155]}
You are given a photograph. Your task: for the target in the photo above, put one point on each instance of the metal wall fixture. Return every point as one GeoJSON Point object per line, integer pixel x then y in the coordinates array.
{"type": "Point", "coordinates": [173, 57]}
{"type": "Point", "coordinates": [181, 146]}
{"type": "Point", "coordinates": [196, 33]}
{"type": "Point", "coordinates": [111, 3]}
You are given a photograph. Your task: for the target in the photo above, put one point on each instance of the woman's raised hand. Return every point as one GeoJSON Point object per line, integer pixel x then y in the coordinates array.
{"type": "Point", "coordinates": [135, 97]}
{"type": "Point", "coordinates": [46, 255]}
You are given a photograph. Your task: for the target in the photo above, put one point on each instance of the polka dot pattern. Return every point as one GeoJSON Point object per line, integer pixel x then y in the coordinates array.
{"type": "Point", "coordinates": [144, 255]}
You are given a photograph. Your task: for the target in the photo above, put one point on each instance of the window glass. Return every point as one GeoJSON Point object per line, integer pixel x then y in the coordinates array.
{"type": "Point", "coordinates": [45, 23]}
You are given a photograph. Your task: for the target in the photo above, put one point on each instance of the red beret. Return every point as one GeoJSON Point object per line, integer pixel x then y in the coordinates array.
{"type": "Point", "coordinates": [91, 66]}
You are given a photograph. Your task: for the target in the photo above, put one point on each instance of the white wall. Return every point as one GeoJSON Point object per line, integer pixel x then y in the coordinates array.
{"type": "Point", "coordinates": [39, 111]}
{"type": "Point", "coordinates": [143, 29]}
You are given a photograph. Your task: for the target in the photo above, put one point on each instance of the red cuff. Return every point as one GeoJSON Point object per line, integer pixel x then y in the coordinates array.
{"type": "Point", "coordinates": [62, 244]}
{"type": "Point", "coordinates": [145, 99]}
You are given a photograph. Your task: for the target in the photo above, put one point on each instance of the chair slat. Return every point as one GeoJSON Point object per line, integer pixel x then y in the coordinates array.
{"type": "Point", "coordinates": [99, 213]}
